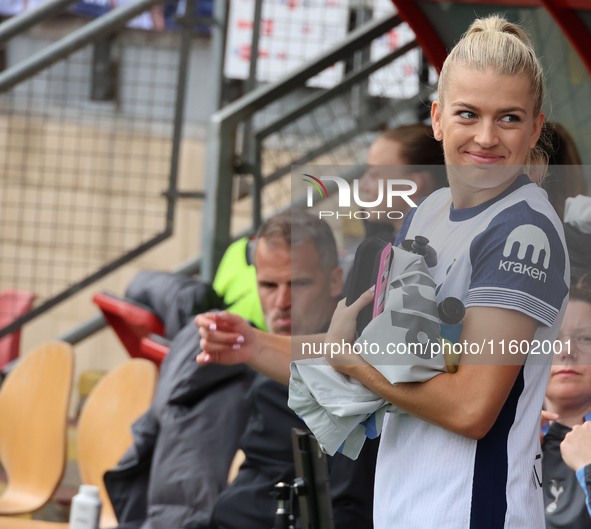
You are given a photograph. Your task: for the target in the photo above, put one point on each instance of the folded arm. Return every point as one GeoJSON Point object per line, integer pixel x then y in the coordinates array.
{"type": "Point", "coordinates": [467, 402]}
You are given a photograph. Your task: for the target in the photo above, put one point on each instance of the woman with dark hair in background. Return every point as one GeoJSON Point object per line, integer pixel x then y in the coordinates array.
{"type": "Point", "coordinates": [389, 157]}
{"type": "Point", "coordinates": [560, 182]}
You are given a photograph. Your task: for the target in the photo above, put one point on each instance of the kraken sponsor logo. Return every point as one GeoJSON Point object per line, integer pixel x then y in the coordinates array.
{"type": "Point", "coordinates": [520, 268]}
{"type": "Point", "coordinates": [525, 236]}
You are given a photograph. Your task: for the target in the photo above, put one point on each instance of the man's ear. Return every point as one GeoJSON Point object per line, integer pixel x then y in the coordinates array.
{"type": "Point", "coordinates": [336, 282]}
{"type": "Point", "coordinates": [436, 120]}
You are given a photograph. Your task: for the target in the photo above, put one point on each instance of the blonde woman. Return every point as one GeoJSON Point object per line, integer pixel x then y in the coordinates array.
{"type": "Point", "coordinates": [467, 452]}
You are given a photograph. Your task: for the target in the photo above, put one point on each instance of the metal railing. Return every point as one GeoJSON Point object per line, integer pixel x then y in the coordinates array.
{"type": "Point", "coordinates": [361, 112]}
{"type": "Point", "coordinates": [17, 24]}
{"type": "Point", "coordinates": [264, 111]}
{"type": "Point", "coordinates": [87, 186]}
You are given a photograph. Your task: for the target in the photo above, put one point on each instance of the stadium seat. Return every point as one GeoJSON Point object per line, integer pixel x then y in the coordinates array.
{"type": "Point", "coordinates": [21, 523]}
{"type": "Point", "coordinates": [131, 321]}
{"type": "Point", "coordinates": [34, 402]}
{"type": "Point", "coordinates": [13, 305]}
{"type": "Point", "coordinates": [104, 432]}
{"type": "Point", "coordinates": [155, 347]}
{"type": "Point", "coordinates": [104, 429]}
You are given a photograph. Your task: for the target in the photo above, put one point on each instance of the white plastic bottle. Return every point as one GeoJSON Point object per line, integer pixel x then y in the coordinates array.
{"type": "Point", "coordinates": [86, 508]}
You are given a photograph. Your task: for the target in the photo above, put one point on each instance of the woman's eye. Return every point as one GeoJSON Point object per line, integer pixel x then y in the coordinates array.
{"type": "Point", "coordinates": [466, 114]}
{"type": "Point", "coordinates": [511, 118]}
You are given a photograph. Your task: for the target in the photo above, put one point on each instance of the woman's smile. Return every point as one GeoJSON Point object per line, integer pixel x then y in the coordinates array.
{"type": "Point", "coordinates": [484, 157]}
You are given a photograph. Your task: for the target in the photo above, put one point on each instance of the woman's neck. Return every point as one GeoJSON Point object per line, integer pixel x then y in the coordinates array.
{"type": "Point", "coordinates": [468, 192]}
{"type": "Point", "coordinates": [569, 413]}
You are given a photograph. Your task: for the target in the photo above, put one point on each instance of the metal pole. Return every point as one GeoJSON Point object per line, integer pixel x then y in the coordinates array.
{"type": "Point", "coordinates": [187, 22]}
{"type": "Point", "coordinates": [248, 155]}
{"type": "Point", "coordinates": [72, 42]}
{"type": "Point", "coordinates": [219, 165]}
{"type": "Point", "coordinates": [254, 46]}
{"type": "Point", "coordinates": [257, 185]}
{"type": "Point", "coordinates": [251, 81]}
{"type": "Point", "coordinates": [27, 19]}
{"type": "Point", "coordinates": [84, 330]}
{"type": "Point", "coordinates": [360, 58]}
{"type": "Point", "coordinates": [219, 173]}
{"type": "Point", "coordinates": [218, 49]}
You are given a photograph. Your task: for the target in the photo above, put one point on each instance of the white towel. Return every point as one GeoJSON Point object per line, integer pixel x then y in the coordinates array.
{"type": "Point", "coordinates": [339, 410]}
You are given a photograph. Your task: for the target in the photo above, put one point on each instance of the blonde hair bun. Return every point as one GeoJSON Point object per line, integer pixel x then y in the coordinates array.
{"type": "Point", "coordinates": [497, 44]}
{"type": "Point", "coordinates": [498, 24]}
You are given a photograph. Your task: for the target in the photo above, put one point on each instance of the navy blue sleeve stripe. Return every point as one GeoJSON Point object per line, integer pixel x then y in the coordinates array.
{"type": "Point", "coordinates": [520, 301]}
{"type": "Point", "coordinates": [517, 298]}
{"type": "Point", "coordinates": [491, 466]}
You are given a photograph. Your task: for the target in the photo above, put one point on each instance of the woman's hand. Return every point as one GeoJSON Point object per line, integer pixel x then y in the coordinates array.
{"type": "Point", "coordinates": [342, 330]}
{"type": "Point", "coordinates": [225, 338]}
{"type": "Point", "coordinates": [228, 339]}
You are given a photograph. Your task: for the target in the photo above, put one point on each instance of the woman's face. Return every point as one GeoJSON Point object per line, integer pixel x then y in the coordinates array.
{"type": "Point", "coordinates": [570, 376]}
{"type": "Point", "coordinates": [385, 160]}
{"type": "Point", "coordinates": [487, 126]}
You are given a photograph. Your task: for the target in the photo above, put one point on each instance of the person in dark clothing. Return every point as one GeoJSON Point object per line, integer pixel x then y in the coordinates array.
{"type": "Point", "coordinates": [299, 284]}
{"type": "Point", "coordinates": [175, 470]}
{"type": "Point", "coordinates": [564, 499]}
{"type": "Point", "coordinates": [576, 453]}
{"type": "Point", "coordinates": [569, 396]}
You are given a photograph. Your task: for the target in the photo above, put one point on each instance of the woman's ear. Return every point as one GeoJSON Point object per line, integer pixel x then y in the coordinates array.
{"type": "Point", "coordinates": [537, 130]}
{"type": "Point", "coordinates": [436, 120]}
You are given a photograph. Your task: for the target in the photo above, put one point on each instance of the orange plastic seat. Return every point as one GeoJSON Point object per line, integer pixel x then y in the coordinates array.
{"type": "Point", "coordinates": [104, 429]}
{"type": "Point", "coordinates": [13, 305]}
{"type": "Point", "coordinates": [104, 432]}
{"type": "Point", "coordinates": [34, 402]}
{"type": "Point", "coordinates": [21, 523]}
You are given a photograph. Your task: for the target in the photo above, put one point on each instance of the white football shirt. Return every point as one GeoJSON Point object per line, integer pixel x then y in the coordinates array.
{"type": "Point", "coordinates": [508, 252]}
